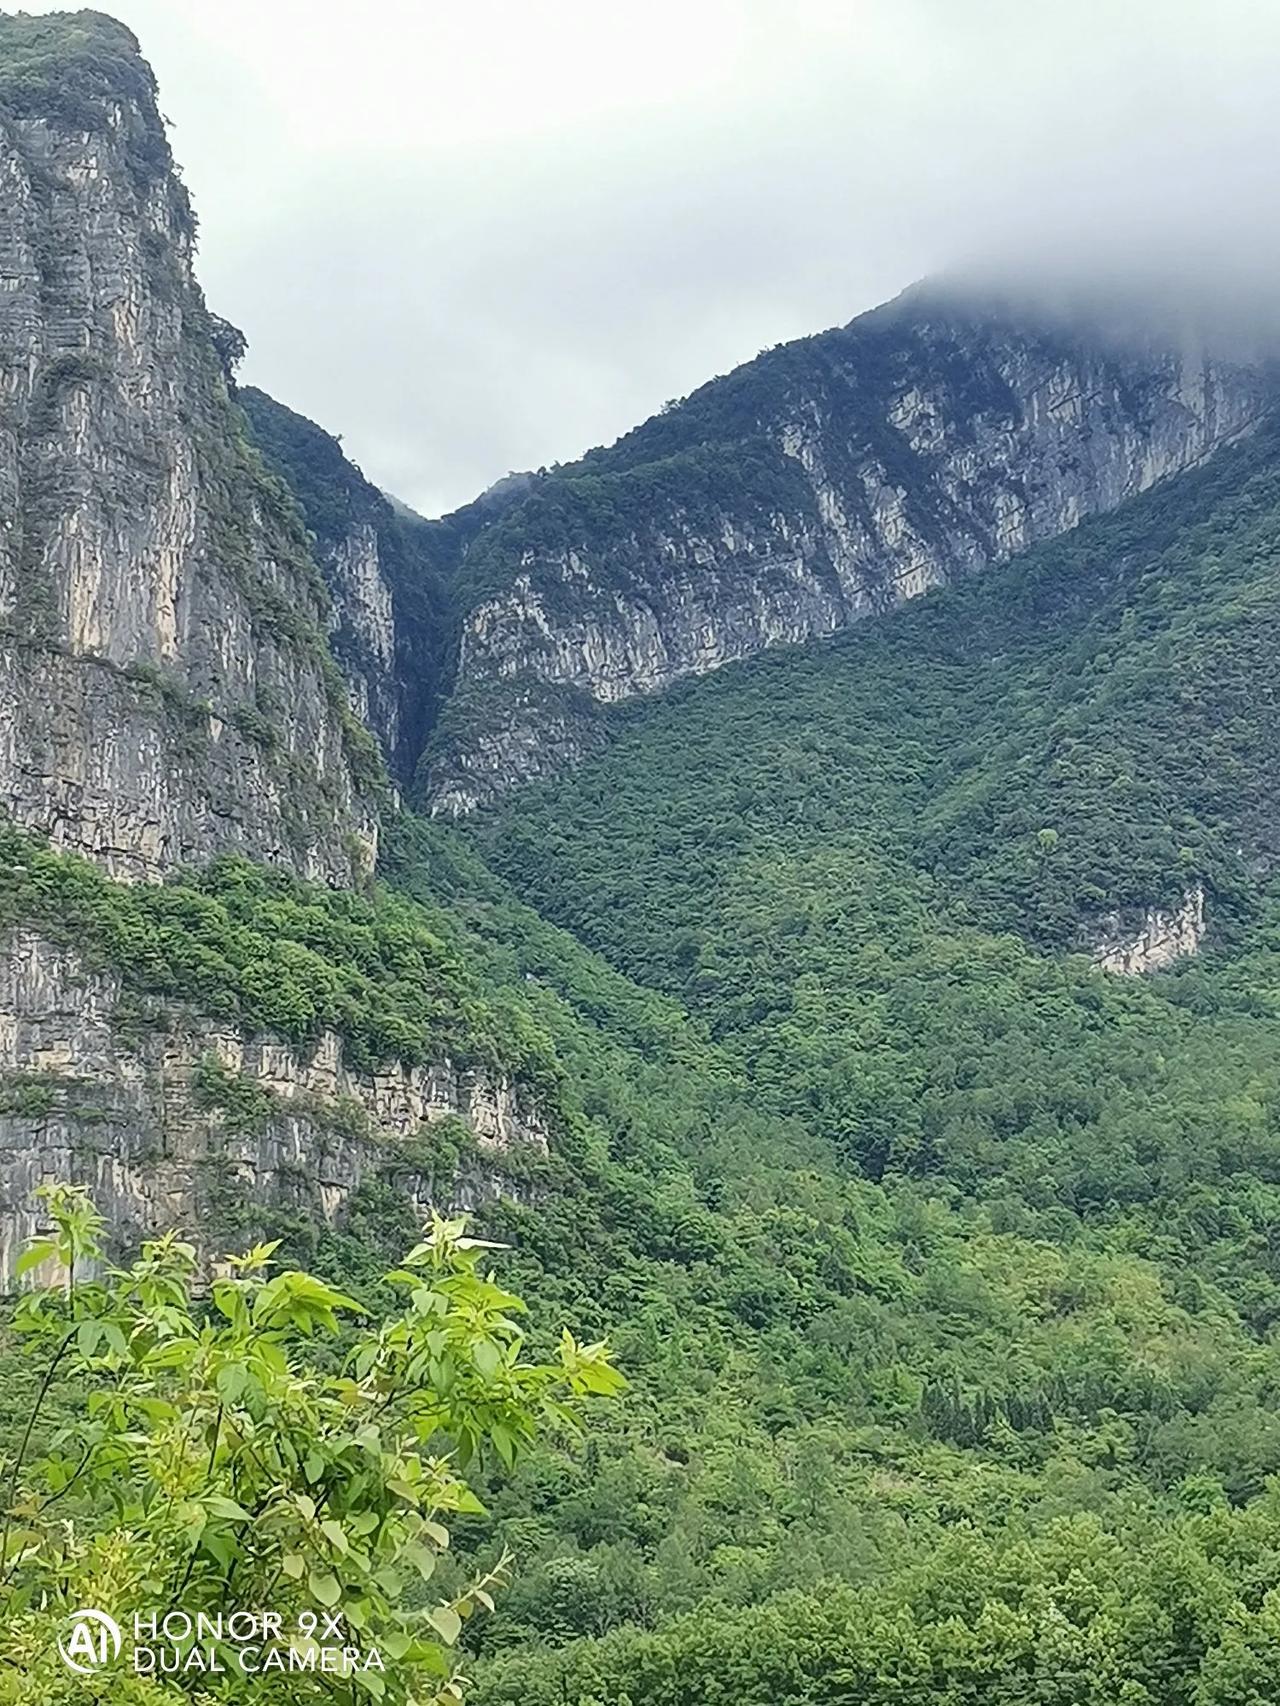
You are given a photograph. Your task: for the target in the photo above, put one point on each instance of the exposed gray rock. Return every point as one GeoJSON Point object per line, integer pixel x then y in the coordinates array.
{"type": "Point", "coordinates": [363, 631]}
{"type": "Point", "coordinates": [164, 688]}
{"type": "Point", "coordinates": [1166, 935]}
{"type": "Point", "coordinates": [116, 1104]}
{"type": "Point", "coordinates": [873, 463]}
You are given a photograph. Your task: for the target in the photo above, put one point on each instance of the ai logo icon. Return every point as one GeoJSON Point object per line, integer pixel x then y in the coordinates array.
{"type": "Point", "coordinates": [92, 1640]}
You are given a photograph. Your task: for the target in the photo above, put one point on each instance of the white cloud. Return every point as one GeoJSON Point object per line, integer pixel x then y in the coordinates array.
{"type": "Point", "coordinates": [472, 238]}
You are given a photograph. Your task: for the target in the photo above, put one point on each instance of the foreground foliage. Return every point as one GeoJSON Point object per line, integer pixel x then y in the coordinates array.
{"type": "Point", "coordinates": [222, 1462]}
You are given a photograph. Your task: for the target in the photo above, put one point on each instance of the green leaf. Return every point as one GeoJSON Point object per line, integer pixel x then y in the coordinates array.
{"type": "Point", "coordinates": [430, 1657]}
{"type": "Point", "coordinates": [445, 1620]}
{"type": "Point", "coordinates": [230, 1382]}
{"type": "Point", "coordinates": [33, 1255]}
{"type": "Point", "coordinates": [218, 1544]}
{"type": "Point", "coordinates": [226, 1508]}
{"type": "Point", "coordinates": [175, 1353]}
{"type": "Point", "coordinates": [423, 1560]}
{"type": "Point", "coordinates": [115, 1338]}
{"type": "Point", "coordinates": [293, 1564]}
{"type": "Point", "coordinates": [487, 1358]}
{"type": "Point", "coordinates": [332, 1532]}
{"type": "Point", "coordinates": [324, 1586]}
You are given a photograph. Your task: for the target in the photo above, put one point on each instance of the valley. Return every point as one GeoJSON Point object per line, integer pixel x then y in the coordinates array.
{"type": "Point", "coordinates": [803, 880]}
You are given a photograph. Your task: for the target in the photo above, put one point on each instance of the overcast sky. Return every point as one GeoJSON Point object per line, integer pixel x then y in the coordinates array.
{"type": "Point", "coordinates": [486, 235]}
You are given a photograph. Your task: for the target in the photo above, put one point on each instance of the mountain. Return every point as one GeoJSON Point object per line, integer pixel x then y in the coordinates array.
{"type": "Point", "coordinates": [828, 480]}
{"type": "Point", "coordinates": [852, 986]}
{"type": "Point", "coordinates": [166, 687]}
{"type": "Point", "coordinates": [260, 1026]}
{"type": "Point", "coordinates": [996, 1413]}
{"type": "Point", "coordinates": [1059, 752]}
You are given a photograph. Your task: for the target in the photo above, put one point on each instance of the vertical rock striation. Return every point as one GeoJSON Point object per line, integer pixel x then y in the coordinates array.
{"type": "Point", "coordinates": [384, 568]}
{"type": "Point", "coordinates": [165, 687]}
{"type": "Point", "coordinates": [827, 481]}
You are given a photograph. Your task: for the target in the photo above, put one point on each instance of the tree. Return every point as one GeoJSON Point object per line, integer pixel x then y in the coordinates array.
{"type": "Point", "coordinates": [230, 343]}
{"type": "Point", "coordinates": [261, 1449]}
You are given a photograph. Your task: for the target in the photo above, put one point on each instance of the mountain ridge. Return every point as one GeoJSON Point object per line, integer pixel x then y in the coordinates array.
{"type": "Point", "coordinates": [779, 1034]}
{"type": "Point", "coordinates": [830, 479]}
{"type": "Point", "coordinates": [803, 491]}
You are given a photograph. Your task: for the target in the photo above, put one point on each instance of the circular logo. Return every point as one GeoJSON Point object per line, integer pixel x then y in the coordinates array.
{"type": "Point", "coordinates": [91, 1640]}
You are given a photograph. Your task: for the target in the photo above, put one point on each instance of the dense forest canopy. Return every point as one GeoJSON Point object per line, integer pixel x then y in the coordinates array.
{"type": "Point", "coordinates": [942, 1264]}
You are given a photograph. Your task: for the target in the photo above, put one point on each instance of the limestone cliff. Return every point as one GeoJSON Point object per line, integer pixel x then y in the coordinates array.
{"type": "Point", "coordinates": [172, 687]}
{"type": "Point", "coordinates": [1160, 939]}
{"type": "Point", "coordinates": [165, 687]}
{"type": "Point", "coordinates": [388, 572]}
{"type": "Point", "coordinates": [173, 1119]}
{"type": "Point", "coordinates": [827, 481]}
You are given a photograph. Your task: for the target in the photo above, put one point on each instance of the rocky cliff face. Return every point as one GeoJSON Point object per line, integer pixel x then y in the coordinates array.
{"type": "Point", "coordinates": [1164, 936]}
{"type": "Point", "coordinates": [174, 1120]}
{"type": "Point", "coordinates": [165, 689]}
{"type": "Point", "coordinates": [169, 692]}
{"type": "Point", "coordinates": [826, 482]}
{"type": "Point", "coordinates": [385, 570]}
{"type": "Point", "coordinates": [363, 633]}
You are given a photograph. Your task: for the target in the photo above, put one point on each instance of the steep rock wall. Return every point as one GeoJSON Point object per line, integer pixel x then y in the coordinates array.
{"type": "Point", "coordinates": [363, 631]}
{"type": "Point", "coordinates": [168, 1116]}
{"type": "Point", "coordinates": [827, 482]}
{"type": "Point", "coordinates": [385, 568]}
{"type": "Point", "coordinates": [165, 689]}
{"type": "Point", "coordinates": [1165, 936]}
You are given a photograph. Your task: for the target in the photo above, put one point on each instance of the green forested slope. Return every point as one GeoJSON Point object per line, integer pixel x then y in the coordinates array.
{"type": "Point", "coordinates": [885, 1385]}
{"type": "Point", "coordinates": [1009, 1371]}
{"type": "Point", "coordinates": [852, 860]}
{"type": "Point", "coordinates": [1113, 687]}
{"type": "Point", "coordinates": [944, 1267]}
{"type": "Point", "coordinates": [1019, 1437]}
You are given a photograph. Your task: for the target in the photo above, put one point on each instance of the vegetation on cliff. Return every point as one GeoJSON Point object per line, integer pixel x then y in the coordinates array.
{"type": "Point", "coordinates": [77, 69]}
{"type": "Point", "coordinates": [1087, 729]}
{"type": "Point", "coordinates": [941, 1263]}
{"type": "Point", "coordinates": [417, 559]}
{"type": "Point", "coordinates": [269, 952]}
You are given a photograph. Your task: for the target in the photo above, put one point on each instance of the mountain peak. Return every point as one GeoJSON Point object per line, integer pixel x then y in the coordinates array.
{"type": "Point", "coordinates": [827, 481]}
